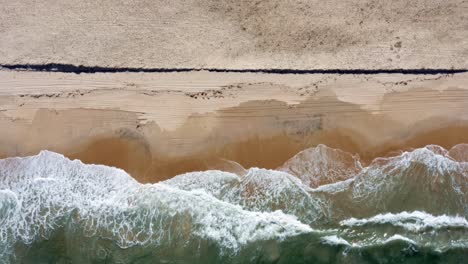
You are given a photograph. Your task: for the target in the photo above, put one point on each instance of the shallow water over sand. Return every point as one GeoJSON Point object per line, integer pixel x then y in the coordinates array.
{"type": "Point", "coordinates": [321, 206]}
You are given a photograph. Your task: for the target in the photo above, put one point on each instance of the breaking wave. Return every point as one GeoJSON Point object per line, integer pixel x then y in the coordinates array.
{"type": "Point", "coordinates": [321, 206]}
{"type": "Point", "coordinates": [415, 221]}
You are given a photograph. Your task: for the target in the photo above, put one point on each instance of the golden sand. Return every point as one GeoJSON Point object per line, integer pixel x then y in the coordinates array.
{"type": "Point", "coordinates": [166, 124]}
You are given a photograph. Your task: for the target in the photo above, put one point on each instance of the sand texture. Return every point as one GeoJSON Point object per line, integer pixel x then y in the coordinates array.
{"type": "Point", "coordinates": [158, 125]}
{"type": "Point", "coordinates": [236, 34]}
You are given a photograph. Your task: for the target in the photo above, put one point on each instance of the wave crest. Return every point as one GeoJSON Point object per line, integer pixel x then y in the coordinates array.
{"type": "Point", "coordinates": [56, 193]}
{"type": "Point", "coordinates": [322, 165]}
{"type": "Point", "coordinates": [422, 179]}
{"type": "Point", "coordinates": [420, 192]}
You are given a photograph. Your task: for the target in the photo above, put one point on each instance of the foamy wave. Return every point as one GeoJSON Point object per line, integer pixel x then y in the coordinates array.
{"type": "Point", "coordinates": [214, 182]}
{"type": "Point", "coordinates": [400, 183]}
{"type": "Point", "coordinates": [335, 240]}
{"type": "Point", "coordinates": [334, 187]}
{"type": "Point", "coordinates": [47, 192]}
{"type": "Point", "coordinates": [40, 195]}
{"type": "Point", "coordinates": [322, 165]}
{"type": "Point", "coordinates": [259, 190]}
{"type": "Point", "coordinates": [398, 237]}
{"type": "Point", "coordinates": [411, 221]}
{"type": "Point", "coordinates": [416, 180]}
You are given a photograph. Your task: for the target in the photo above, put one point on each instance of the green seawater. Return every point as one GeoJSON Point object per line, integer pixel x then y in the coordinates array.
{"type": "Point", "coordinates": [301, 249]}
{"type": "Point", "coordinates": [409, 208]}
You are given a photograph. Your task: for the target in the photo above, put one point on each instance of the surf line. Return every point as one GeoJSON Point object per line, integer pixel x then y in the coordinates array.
{"type": "Point", "coordinates": [78, 69]}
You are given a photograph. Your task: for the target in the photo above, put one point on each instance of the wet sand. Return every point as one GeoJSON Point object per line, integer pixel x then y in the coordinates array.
{"type": "Point", "coordinates": [156, 126]}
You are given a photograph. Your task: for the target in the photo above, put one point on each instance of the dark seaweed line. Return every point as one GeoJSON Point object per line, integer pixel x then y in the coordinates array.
{"type": "Point", "coordinates": [70, 68]}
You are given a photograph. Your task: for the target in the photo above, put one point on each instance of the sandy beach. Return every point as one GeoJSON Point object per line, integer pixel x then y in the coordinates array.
{"type": "Point", "coordinates": [156, 126]}
{"type": "Point", "coordinates": [232, 34]}
{"type": "Point", "coordinates": [233, 131]}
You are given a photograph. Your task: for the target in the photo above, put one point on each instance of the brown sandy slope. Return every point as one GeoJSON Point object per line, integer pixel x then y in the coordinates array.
{"type": "Point", "coordinates": [158, 125]}
{"type": "Point", "coordinates": [301, 34]}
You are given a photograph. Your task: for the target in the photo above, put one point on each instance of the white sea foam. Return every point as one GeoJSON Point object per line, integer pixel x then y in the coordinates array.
{"type": "Point", "coordinates": [334, 187]}
{"type": "Point", "coordinates": [213, 182]}
{"type": "Point", "coordinates": [412, 221]}
{"type": "Point", "coordinates": [259, 190]}
{"type": "Point", "coordinates": [227, 224]}
{"type": "Point", "coordinates": [322, 164]}
{"type": "Point", "coordinates": [269, 190]}
{"type": "Point", "coordinates": [335, 240]}
{"type": "Point", "coordinates": [262, 186]}
{"type": "Point", "coordinates": [41, 192]}
{"type": "Point", "coordinates": [422, 179]}
{"type": "Point", "coordinates": [398, 237]}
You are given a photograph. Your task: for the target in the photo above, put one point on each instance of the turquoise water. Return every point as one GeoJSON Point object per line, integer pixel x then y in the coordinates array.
{"type": "Point", "coordinates": [322, 206]}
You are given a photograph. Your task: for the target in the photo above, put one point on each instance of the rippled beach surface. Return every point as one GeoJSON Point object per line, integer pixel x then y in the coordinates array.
{"type": "Point", "coordinates": [322, 206]}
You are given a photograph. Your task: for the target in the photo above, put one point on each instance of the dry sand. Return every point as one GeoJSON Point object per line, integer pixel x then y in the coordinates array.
{"type": "Point", "coordinates": [158, 125]}
{"type": "Point", "coordinates": [237, 34]}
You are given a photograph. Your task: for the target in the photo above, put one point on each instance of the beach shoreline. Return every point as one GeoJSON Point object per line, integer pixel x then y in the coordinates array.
{"type": "Point", "coordinates": [156, 126]}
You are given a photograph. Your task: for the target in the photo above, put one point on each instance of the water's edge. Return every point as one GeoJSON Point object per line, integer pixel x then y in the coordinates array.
{"type": "Point", "coordinates": [322, 206]}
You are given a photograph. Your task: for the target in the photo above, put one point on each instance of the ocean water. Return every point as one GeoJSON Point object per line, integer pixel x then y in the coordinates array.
{"type": "Point", "coordinates": [322, 206]}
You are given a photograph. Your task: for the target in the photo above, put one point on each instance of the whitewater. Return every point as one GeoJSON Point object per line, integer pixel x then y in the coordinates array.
{"type": "Point", "coordinates": [322, 206]}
